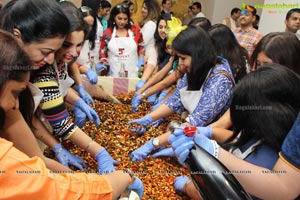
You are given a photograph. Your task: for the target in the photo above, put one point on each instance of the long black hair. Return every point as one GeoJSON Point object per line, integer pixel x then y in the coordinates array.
{"type": "Point", "coordinates": [160, 43]}
{"type": "Point", "coordinates": [227, 46]}
{"type": "Point", "coordinates": [94, 6]}
{"type": "Point", "coordinates": [265, 105]}
{"type": "Point", "coordinates": [195, 42]}
{"type": "Point", "coordinates": [14, 65]}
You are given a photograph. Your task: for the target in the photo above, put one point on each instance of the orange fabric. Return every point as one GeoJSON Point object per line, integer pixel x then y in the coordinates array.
{"type": "Point", "coordinates": [22, 177]}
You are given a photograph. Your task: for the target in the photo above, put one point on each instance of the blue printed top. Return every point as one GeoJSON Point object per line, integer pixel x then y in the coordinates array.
{"type": "Point", "coordinates": [215, 98]}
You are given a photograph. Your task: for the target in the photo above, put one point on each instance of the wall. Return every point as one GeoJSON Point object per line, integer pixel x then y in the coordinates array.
{"type": "Point", "coordinates": [275, 11]}
{"type": "Point", "coordinates": [222, 10]}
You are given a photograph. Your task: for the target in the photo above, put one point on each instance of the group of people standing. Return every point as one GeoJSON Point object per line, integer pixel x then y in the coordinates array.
{"type": "Point", "coordinates": [199, 69]}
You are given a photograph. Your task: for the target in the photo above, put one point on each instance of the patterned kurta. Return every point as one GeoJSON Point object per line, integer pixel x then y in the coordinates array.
{"type": "Point", "coordinates": [215, 99]}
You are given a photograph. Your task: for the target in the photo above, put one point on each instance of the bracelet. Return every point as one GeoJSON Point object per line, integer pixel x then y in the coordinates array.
{"type": "Point", "coordinates": [216, 149]}
{"type": "Point", "coordinates": [89, 144]}
{"type": "Point", "coordinates": [144, 94]}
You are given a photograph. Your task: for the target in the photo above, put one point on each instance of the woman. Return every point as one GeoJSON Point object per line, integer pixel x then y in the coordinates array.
{"type": "Point", "coordinates": [277, 47]}
{"type": "Point", "coordinates": [228, 47]}
{"type": "Point", "coordinates": [150, 13]}
{"type": "Point", "coordinates": [208, 78]}
{"type": "Point", "coordinates": [257, 97]}
{"type": "Point", "coordinates": [52, 104]}
{"type": "Point", "coordinates": [167, 64]}
{"type": "Point", "coordinates": [41, 183]}
{"type": "Point", "coordinates": [62, 124]}
{"type": "Point", "coordinates": [131, 7]}
{"type": "Point", "coordinates": [176, 73]}
{"type": "Point", "coordinates": [40, 46]}
{"type": "Point", "coordinates": [121, 46]}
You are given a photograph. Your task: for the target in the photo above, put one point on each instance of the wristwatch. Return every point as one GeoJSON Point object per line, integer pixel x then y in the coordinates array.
{"type": "Point", "coordinates": [155, 142]}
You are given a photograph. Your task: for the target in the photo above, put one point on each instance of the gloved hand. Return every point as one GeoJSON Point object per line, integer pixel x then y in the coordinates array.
{"type": "Point", "coordinates": [135, 102]}
{"type": "Point", "coordinates": [161, 96]}
{"type": "Point", "coordinates": [140, 84]}
{"type": "Point", "coordinates": [91, 113]}
{"type": "Point", "coordinates": [100, 67]}
{"type": "Point", "coordinates": [142, 152]}
{"type": "Point", "coordinates": [211, 146]}
{"type": "Point", "coordinates": [206, 130]}
{"type": "Point", "coordinates": [66, 158]}
{"type": "Point", "coordinates": [84, 95]}
{"type": "Point", "coordinates": [181, 145]}
{"type": "Point", "coordinates": [80, 117]}
{"type": "Point", "coordinates": [156, 123]}
{"type": "Point", "coordinates": [152, 98]}
{"type": "Point", "coordinates": [143, 122]}
{"type": "Point", "coordinates": [164, 152]}
{"type": "Point", "coordinates": [140, 62]}
{"type": "Point", "coordinates": [92, 76]}
{"type": "Point", "coordinates": [105, 162]}
{"type": "Point", "coordinates": [180, 183]}
{"type": "Point", "coordinates": [137, 186]}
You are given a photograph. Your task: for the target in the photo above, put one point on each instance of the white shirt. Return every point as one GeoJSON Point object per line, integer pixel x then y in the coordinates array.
{"type": "Point", "coordinates": [148, 31]}
{"type": "Point", "coordinates": [200, 14]}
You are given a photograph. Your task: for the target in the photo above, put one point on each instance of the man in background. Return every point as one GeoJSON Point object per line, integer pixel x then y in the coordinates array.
{"type": "Point", "coordinates": [166, 7]}
{"type": "Point", "coordinates": [233, 21]}
{"type": "Point", "coordinates": [196, 9]}
{"type": "Point", "coordinates": [247, 36]}
{"type": "Point", "coordinates": [292, 21]}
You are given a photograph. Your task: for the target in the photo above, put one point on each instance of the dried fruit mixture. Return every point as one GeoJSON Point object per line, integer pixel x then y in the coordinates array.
{"type": "Point", "coordinates": [113, 133]}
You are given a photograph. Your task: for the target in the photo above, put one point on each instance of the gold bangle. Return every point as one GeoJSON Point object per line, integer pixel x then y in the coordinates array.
{"type": "Point", "coordinates": [87, 147]}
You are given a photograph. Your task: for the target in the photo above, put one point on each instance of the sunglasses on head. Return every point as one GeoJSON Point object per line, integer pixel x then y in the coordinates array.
{"type": "Point", "coordinates": [122, 5]}
{"type": "Point", "coordinates": [85, 9]}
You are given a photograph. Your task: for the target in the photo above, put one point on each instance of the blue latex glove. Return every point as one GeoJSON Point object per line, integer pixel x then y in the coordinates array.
{"type": "Point", "coordinates": [135, 102]}
{"type": "Point", "coordinates": [84, 95]}
{"type": "Point", "coordinates": [161, 96]}
{"type": "Point", "coordinates": [142, 152]}
{"type": "Point", "coordinates": [181, 145]}
{"type": "Point", "coordinates": [140, 62]}
{"type": "Point", "coordinates": [206, 130]}
{"type": "Point", "coordinates": [137, 186]}
{"type": "Point", "coordinates": [143, 122]}
{"type": "Point", "coordinates": [90, 113]}
{"type": "Point", "coordinates": [140, 84]}
{"type": "Point", "coordinates": [105, 162]}
{"type": "Point", "coordinates": [210, 146]}
{"type": "Point", "coordinates": [164, 152]}
{"type": "Point", "coordinates": [92, 76]}
{"type": "Point", "coordinates": [180, 182]}
{"type": "Point", "coordinates": [100, 67]}
{"type": "Point", "coordinates": [152, 99]}
{"type": "Point", "coordinates": [156, 123]}
{"type": "Point", "coordinates": [66, 158]}
{"type": "Point", "coordinates": [80, 117]}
